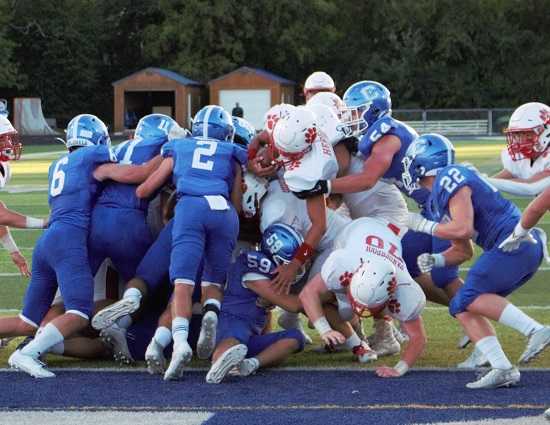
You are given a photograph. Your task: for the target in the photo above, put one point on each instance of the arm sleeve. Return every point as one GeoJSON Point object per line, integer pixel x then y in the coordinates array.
{"type": "Point", "coordinates": [519, 188]}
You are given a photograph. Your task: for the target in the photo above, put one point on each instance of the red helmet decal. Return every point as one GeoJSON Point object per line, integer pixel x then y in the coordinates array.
{"type": "Point", "coordinates": [345, 279]}
{"type": "Point", "coordinates": [311, 135]}
{"type": "Point", "coordinates": [545, 116]}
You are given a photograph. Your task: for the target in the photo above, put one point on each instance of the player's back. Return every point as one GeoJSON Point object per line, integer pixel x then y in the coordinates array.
{"type": "Point", "coordinates": [388, 126]}
{"type": "Point", "coordinates": [204, 166]}
{"type": "Point", "coordinates": [494, 216]}
{"type": "Point", "coordinates": [72, 186]}
{"type": "Point", "coordinates": [137, 151]}
{"type": "Point", "coordinates": [240, 301]}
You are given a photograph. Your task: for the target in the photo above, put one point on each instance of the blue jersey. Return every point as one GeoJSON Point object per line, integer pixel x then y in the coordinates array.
{"type": "Point", "coordinates": [137, 151]}
{"type": "Point", "coordinates": [204, 166]}
{"type": "Point", "coordinates": [240, 301]}
{"type": "Point", "coordinates": [388, 126]}
{"type": "Point", "coordinates": [72, 186]}
{"type": "Point", "coordinates": [494, 216]}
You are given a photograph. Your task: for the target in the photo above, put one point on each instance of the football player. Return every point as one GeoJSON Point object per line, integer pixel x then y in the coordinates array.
{"type": "Point", "coordinates": [383, 142]}
{"type": "Point", "coordinates": [10, 149]}
{"type": "Point", "coordinates": [207, 172]}
{"type": "Point", "coordinates": [61, 257]}
{"type": "Point", "coordinates": [464, 206]}
{"type": "Point", "coordinates": [366, 273]}
{"type": "Point", "coordinates": [318, 82]}
{"type": "Point", "coordinates": [526, 161]}
{"type": "Point", "coordinates": [248, 296]}
{"type": "Point", "coordinates": [119, 218]}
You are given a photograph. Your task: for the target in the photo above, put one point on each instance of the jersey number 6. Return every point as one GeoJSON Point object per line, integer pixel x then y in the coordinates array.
{"type": "Point", "coordinates": [58, 178]}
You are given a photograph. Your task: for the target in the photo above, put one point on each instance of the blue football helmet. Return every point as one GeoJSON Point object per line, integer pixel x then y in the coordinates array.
{"type": "Point", "coordinates": [366, 102]}
{"type": "Point", "coordinates": [280, 241]}
{"type": "Point", "coordinates": [244, 131]}
{"type": "Point", "coordinates": [87, 130]}
{"type": "Point", "coordinates": [154, 126]}
{"type": "Point", "coordinates": [213, 122]}
{"type": "Point", "coordinates": [424, 157]}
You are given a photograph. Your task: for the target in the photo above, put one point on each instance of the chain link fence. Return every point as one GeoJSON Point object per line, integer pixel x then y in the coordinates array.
{"type": "Point", "coordinates": [456, 122]}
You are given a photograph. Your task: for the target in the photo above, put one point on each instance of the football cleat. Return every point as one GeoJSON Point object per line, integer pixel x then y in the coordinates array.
{"type": "Point", "coordinates": [288, 320]}
{"type": "Point", "coordinates": [107, 317]}
{"type": "Point", "coordinates": [383, 341]}
{"type": "Point", "coordinates": [207, 337]}
{"type": "Point", "coordinates": [475, 360]}
{"type": "Point", "coordinates": [154, 356]}
{"type": "Point", "coordinates": [225, 363]}
{"type": "Point", "coordinates": [538, 341]}
{"type": "Point", "coordinates": [496, 378]}
{"type": "Point", "coordinates": [30, 365]}
{"type": "Point", "coordinates": [547, 414]}
{"type": "Point", "coordinates": [246, 368]}
{"type": "Point", "coordinates": [181, 355]}
{"type": "Point", "coordinates": [364, 353]}
{"type": "Point", "coordinates": [400, 336]}
{"type": "Point", "coordinates": [115, 337]}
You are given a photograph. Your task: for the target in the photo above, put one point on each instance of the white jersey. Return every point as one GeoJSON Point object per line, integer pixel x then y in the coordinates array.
{"type": "Point", "coordinates": [523, 168]}
{"type": "Point", "coordinates": [279, 205]}
{"type": "Point", "coordinates": [365, 237]}
{"type": "Point", "coordinates": [317, 164]}
{"type": "Point", "coordinates": [384, 200]}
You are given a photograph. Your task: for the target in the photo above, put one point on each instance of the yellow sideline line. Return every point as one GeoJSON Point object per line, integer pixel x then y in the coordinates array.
{"type": "Point", "coordinates": [382, 406]}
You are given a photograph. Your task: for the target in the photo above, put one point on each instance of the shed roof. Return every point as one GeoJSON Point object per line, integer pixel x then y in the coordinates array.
{"type": "Point", "coordinates": [259, 71]}
{"type": "Point", "coordinates": [165, 73]}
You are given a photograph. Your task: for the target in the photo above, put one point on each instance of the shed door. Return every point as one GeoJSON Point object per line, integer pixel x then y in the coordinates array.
{"type": "Point", "coordinates": [255, 103]}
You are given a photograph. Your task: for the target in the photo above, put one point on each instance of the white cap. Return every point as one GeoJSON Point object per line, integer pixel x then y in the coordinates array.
{"type": "Point", "coordinates": [319, 80]}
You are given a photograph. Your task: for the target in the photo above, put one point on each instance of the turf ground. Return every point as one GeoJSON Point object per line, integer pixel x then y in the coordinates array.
{"type": "Point", "coordinates": [27, 194]}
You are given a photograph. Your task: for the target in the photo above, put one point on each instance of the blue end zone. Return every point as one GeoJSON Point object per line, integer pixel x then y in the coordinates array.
{"type": "Point", "coordinates": [285, 397]}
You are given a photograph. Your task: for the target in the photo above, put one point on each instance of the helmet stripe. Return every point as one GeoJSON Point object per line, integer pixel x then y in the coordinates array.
{"type": "Point", "coordinates": [206, 118]}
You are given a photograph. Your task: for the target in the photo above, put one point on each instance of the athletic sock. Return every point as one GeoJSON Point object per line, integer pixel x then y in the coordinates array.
{"type": "Point", "coordinates": [133, 294]}
{"type": "Point", "coordinates": [124, 322]}
{"type": "Point", "coordinates": [255, 362]}
{"type": "Point", "coordinates": [58, 348]}
{"type": "Point", "coordinates": [516, 319]}
{"type": "Point", "coordinates": [212, 304]}
{"type": "Point", "coordinates": [163, 336]}
{"type": "Point", "coordinates": [353, 341]}
{"type": "Point", "coordinates": [180, 330]}
{"type": "Point", "coordinates": [48, 337]}
{"type": "Point", "coordinates": [491, 348]}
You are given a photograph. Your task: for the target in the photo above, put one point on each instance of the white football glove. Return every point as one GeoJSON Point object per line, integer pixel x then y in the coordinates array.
{"type": "Point", "coordinates": [515, 239]}
{"type": "Point", "coordinates": [426, 262]}
{"type": "Point", "coordinates": [420, 224]}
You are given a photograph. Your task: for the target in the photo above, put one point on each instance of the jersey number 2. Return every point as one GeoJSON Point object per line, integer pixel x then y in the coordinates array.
{"type": "Point", "coordinates": [58, 180]}
{"type": "Point", "coordinates": [209, 149]}
{"type": "Point", "coordinates": [450, 183]}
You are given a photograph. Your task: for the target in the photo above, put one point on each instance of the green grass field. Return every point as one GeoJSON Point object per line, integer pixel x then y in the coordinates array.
{"type": "Point", "coordinates": [27, 194]}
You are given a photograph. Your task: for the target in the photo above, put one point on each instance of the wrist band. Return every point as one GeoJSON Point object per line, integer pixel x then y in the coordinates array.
{"type": "Point", "coordinates": [303, 253]}
{"type": "Point", "coordinates": [34, 223]}
{"type": "Point", "coordinates": [8, 243]}
{"type": "Point", "coordinates": [520, 230]}
{"type": "Point", "coordinates": [401, 367]}
{"type": "Point", "coordinates": [252, 152]}
{"type": "Point", "coordinates": [322, 326]}
{"type": "Point", "coordinates": [439, 260]}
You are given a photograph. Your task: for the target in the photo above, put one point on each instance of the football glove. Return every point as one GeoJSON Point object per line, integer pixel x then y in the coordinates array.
{"type": "Point", "coordinates": [514, 240]}
{"type": "Point", "coordinates": [426, 262]}
{"type": "Point", "coordinates": [420, 224]}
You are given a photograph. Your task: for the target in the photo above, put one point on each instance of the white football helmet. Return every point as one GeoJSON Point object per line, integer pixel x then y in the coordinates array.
{"type": "Point", "coordinates": [5, 173]}
{"type": "Point", "coordinates": [10, 147]}
{"type": "Point", "coordinates": [528, 132]}
{"type": "Point", "coordinates": [256, 188]}
{"type": "Point", "coordinates": [274, 114]}
{"type": "Point", "coordinates": [332, 100]}
{"type": "Point", "coordinates": [294, 134]}
{"type": "Point", "coordinates": [371, 285]}
{"type": "Point", "coordinates": [319, 80]}
{"type": "Point", "coordinates": [328, 124]}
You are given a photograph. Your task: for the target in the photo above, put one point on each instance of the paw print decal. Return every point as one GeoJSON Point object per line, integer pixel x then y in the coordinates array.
{"type": "Point", "coordinates": [311, 135]}
{"type": "Point", "coordinates": [345, 279]}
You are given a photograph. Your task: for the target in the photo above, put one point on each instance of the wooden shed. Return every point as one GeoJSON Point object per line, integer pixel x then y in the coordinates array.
{"type": "Point", "coordinates": [256, 90]}
{"type": "Point", "coordinates": [156, 90]}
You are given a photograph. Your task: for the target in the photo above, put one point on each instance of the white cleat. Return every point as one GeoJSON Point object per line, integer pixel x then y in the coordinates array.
{"type": "Point", "coordinates": [30, 365]}
{"type": "Point", "coordinates": [109, 315]}
{"type": "Point", "coordinates": [463, 342]}
{"type": "Point", "coordinates": [538, 341]}
{"type": "Point", "coordinates": [225, 363]}
{"type": "Point", "coordinates": [364, 353]}
{"type": "Point", "coordinates": [496, 378]}
{"type": "Point", "coordinates": [207, 337]}
{"type": "Point", "coordinates": [475, 360]}
{"type": "Point", "coordinates": [181, 355]}
{"type": "Point", "coordinates": [547, 414]}
{"type": "Point", "coordinates": [115, 337]}
{"type": "Point", "coordinates": [154, 356]}
{"type": "Point", "coordinates": [245, 368]}
{"type": "Point", "coordinates": [291, 321]}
